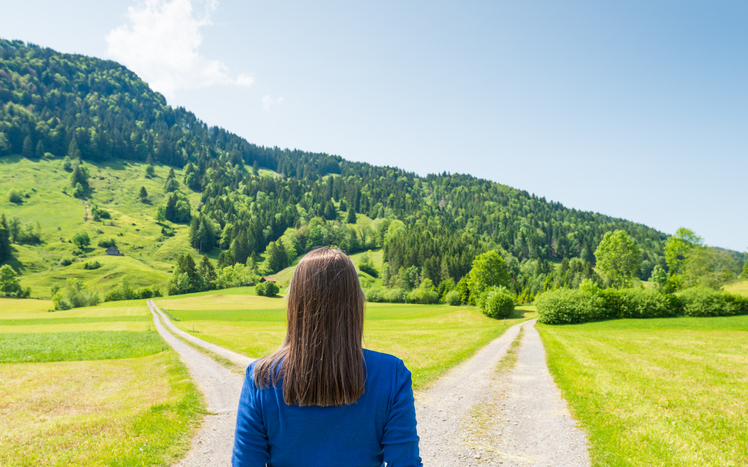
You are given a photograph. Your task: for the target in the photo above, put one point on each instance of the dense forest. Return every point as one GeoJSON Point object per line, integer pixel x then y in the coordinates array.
{"type": "Point", "coordinates": [97, 110]}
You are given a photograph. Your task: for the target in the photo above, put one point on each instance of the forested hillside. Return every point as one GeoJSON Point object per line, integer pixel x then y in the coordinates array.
{"type": "Point", "coordinates": [238, 197]}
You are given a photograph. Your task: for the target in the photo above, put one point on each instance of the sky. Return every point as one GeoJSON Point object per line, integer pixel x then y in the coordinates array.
{"type": "Point", "coordinates": [634, 109]}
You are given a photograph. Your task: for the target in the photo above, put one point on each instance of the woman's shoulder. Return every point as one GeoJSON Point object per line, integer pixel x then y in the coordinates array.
{"type": "Point", "coordinates": [383, 361]}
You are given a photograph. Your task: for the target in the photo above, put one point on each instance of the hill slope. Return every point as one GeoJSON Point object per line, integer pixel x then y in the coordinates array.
{"type": "Point", "coordinates": [54, 104]}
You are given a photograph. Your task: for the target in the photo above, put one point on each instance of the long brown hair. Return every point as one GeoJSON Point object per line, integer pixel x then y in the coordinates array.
{"type": "Point", "coordinates": [321, 360]}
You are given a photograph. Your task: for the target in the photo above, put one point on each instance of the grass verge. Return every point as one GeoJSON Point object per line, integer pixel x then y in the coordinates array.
{"type": "Point", "coordinates": [140, 411]}
{"type": "Point", "coordinates": [75, 346]}
{"type": "Point", "coordinates": [656, 392]}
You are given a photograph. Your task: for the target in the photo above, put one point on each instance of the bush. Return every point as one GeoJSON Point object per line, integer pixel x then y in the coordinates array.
{"type": "Point", "coordinates": [267, 289]}
{"type": "Point", "coordinates": [91, 265]}
{"type": "Point", "coordinates": [369, 269]}
{"type": "Point", "coordinates": [66, 261]}
{"type": "Point", "coordinates": [394, 295]}
{"type": "Point", "coordinates": [14, 196]}
{"type": "Point", "coordinates": [106, 243]}
{"type": "Point", "coordinates": [701, 301]}
{"type": "Point", "coordinates": [496, 302]}
{"type": "Point", "coordinates": [74, 295]}
{"type": "Point", "coordinates": [639, 303]}
{"type": "Point", "coordinates": [453, 298]}
{"type": "Point", "coordinates": [373, 295]}
{"type": "Point", "coordinates": [565, 306]}
{"type": "Point", "coordinates": [423, 296]}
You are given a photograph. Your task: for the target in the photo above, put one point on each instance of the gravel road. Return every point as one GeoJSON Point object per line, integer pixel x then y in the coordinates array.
{"type": "Point", "coordinates": [472, 416]}
{"type": "Point", "coordinates": [242, 360]}
{"type": "Point", "coordinates": [214, 441]}
{"type": "Point", "coordinates": [476, 415]}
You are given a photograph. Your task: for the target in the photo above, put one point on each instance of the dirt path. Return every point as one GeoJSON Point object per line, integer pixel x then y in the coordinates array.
{"type": "Point", "coordinates": [238, 359]}
{"type": "Point", "coordinates": [214, 441]}
{"type": "Point", "coordinates": [476, 415]}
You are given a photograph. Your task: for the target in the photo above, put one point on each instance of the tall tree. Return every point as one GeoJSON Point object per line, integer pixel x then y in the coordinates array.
{"type": "Point", "coordinates": [489, 270]}
{"type": "Point", "coordinates": [618, 258]}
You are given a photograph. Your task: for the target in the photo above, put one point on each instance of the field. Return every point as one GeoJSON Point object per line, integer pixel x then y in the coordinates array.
{"type": "Point", "coordinates": [668, 392]}
{"type": "Point", "coordinates": [429, 338]}
{"type": "Point", "coordinates": [90, 386]}
{"type": "Point", "coordinates": [738, 288]}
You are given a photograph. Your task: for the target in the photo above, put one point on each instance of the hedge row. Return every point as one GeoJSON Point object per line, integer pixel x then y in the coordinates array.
{"type": "Point", "coordinates": [565, 306]}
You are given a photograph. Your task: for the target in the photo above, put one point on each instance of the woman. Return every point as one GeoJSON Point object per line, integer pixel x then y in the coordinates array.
{"type": "Point", "coordinates": [322, 400]}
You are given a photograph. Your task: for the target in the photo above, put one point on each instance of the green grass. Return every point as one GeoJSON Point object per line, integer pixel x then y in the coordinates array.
{"type": "Point", "coordinates": [429, 338]}
{"type": "Point", "coordinates": [147, 260]}
{"type": "Point", "coordinates": [669, 392]}
{"type": "Point", "coordinates": [138, 411]}
{"type": "Point", "coordinates": [71, 396]}
{"type": "Point", "coordinates": [75, 346]}
{"type": "Point", "coordinates": [738, 288]}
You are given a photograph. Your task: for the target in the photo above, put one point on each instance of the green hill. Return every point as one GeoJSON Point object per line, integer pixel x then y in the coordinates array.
{"type": "Point", "coordinates": [98, 112]}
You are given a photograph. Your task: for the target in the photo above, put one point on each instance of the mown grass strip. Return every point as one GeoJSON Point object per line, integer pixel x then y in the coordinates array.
{"type": "Point", "coordinates": [508, 361]}
{"type": "Point", "coordinates": [92, 319]}
{"type": "Point", "coordinates": [656, 392]}
{"type": "Point", "coordinates": [73, 346]}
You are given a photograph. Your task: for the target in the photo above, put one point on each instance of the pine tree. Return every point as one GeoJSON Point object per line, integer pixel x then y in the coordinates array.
{"type": "Point", "coordinates": [39, 150]}
{"type": "Point", "coordinates": [351, 219]}
{"type": "Point", "coordinates": [28, 148]}
{"type": "Point", "coordinates": [73, 151]}
{"type": "Point", "coordinates": [207, 272]}
{"type": "Point", "coordinates": [143, 194]}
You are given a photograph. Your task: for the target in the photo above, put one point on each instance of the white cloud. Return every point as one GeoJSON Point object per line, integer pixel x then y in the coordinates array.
{"type": "Point", "coordinates": [160, 43]}
{"type": "Point", "coordinates": [268, 101]}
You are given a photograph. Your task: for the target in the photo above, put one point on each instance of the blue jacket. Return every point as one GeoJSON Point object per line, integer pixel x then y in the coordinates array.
{"type": "Point", "coordinates": [379, 427]}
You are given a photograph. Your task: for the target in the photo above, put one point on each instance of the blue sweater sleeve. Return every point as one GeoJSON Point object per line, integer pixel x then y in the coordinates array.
{"type": "Point", "coordinates": [400, 439]}
{"type": "Point", "coordinates": [250, 439]}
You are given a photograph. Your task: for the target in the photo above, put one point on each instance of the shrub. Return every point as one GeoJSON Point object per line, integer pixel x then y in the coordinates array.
{"type": "Point", "coordinates": [639, 303]}
{"type": "Point", "coordinates": [394, 295]}
{"type": "Point", "coordinates": [66, 262]}
{"type": "Point", "coordinates": [106, 243]}
{"type": "Point", "coordinates": [701, 301]}
{"type": "Point", "coordinates": [74, 295]}
{"type": "Point", "coordinates": [91, 265]}
{"type": "Point", "coordinates": [14, 196]}
{"type": "Point", "coordinates": [453, 297]}
{"type": "Point", "coordinates": [373, 295]}
{"type": "Point", "coordinates": [496, 302]}
{"type": "Point", "coordinates": [565, 306]}
{"type": "Point", "coordinates": [267, 289]}
{"type": "Point", "coordinates": [369, 269]}
{"type": "Point", "coordinates": [424, 296]}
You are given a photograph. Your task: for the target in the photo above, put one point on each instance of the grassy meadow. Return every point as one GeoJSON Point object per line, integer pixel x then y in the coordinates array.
{"type": "Point", "coordinates": [667, 392]}
{"type": "Point", "coordinates": [149, 257]}
{"type": "Point", "coordinates": [737, 288]}
{"type": "Point", "coordinates": [429, 338]}
{"type": "Point", "coordinates": [90, 386]}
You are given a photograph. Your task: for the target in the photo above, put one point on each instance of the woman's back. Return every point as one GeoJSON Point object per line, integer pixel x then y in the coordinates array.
{"type": "Point", "coordinates": [380, 426]}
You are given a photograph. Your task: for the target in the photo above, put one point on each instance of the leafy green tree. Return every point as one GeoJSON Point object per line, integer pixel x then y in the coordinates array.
{"type": "Point", "coordinates": [67, 164]}
{"type": "Point", "coordinates": [226, 259]}
{"type": "Point", "coordinates": [489, 270]}
{"type": "Point", "coordinates": [79, 176]}
{"type": "Point", "coordinates": [79, 191]}
{"type": "Point", "coordinates": [81, 240]}
{"type": "Point", "coordinates": [150, 172]}
{"type": "Point", "coordinates": [744, 274]}
{"type": "Point", "coordinates": [677, 248]}
{"type": "Point", "coordinates": [710, 267]}
{"type": "Point", "coordinates": [618, 258]}
{"type": "Point", "coordinates": [8, 280]}
{"type": "Point", "coordinates": [659, 277]}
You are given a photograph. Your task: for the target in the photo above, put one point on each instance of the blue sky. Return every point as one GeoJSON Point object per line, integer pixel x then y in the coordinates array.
{"type": "Point", "coordinates": [633, 109]}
